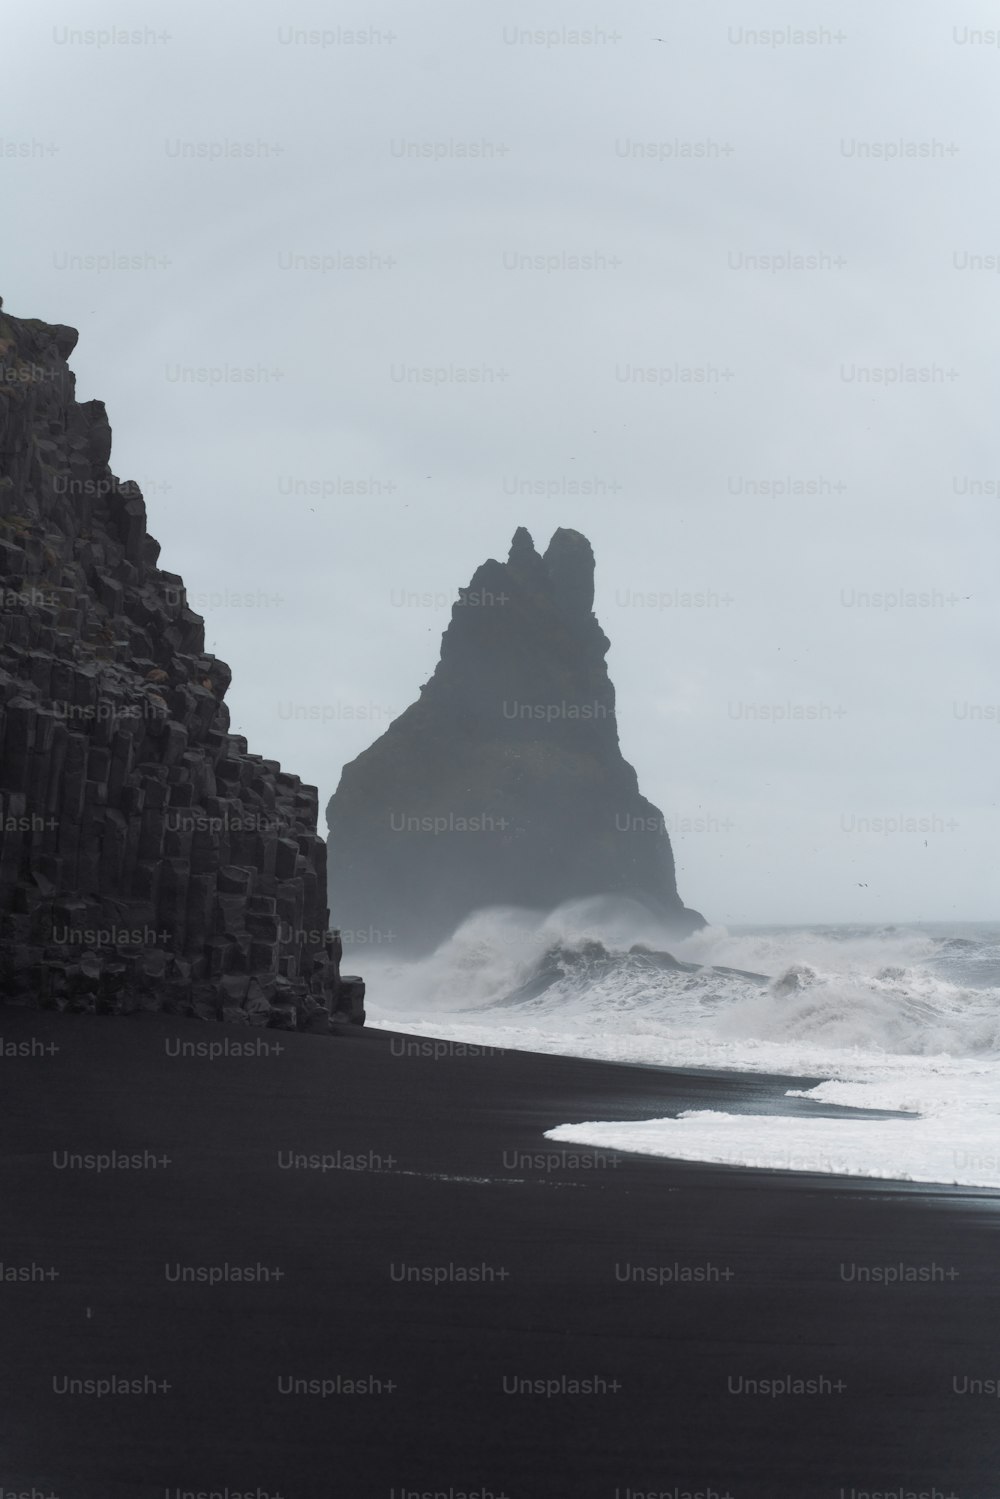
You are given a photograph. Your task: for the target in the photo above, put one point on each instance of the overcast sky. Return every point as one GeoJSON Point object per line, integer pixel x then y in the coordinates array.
{"type": "Point", "coordinates": [672, 145]}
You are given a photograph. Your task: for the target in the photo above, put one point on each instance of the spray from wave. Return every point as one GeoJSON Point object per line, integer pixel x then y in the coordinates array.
{"type": "Point", "coordinates": [899, 1018]}
{"type": "Point", "coordinates": [608, 965]}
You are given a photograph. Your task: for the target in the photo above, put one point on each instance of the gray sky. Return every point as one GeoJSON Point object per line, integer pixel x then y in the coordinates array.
{"type": "Point", "coordinates": [671, 163]}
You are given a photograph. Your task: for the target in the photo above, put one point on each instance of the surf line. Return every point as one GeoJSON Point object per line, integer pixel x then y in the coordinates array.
{"type": "Point", "coordinates": [481, 1181]}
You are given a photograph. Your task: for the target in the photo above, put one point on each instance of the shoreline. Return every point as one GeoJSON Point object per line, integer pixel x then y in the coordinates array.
{"type": "Point", "coordinates": [392, 1273]}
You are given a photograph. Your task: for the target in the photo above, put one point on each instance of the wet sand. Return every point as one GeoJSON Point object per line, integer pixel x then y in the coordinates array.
{"type": "Point", "coordinates": [448, 1304]}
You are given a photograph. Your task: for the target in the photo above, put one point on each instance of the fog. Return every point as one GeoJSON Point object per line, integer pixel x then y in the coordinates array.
{"type": "Point", "coordinates": [364, 294]}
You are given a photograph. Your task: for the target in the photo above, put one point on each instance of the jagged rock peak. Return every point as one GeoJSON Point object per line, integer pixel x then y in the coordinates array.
{"type": "Point", "coordinates": [523, 563]}
{"type": "Point", "coordinates": [566, 569]}
{"type": "Point", "coordinates": [504, 783]}
{"type": "Point", "coordinates": [522, 543]}
{"type": "Point", "coordinates": [569, 559]}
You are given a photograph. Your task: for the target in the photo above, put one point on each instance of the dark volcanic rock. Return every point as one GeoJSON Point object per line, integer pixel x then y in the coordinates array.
{"type": "Point", "coordinates": [504, 784]}
{"type": "Point", "coordinates": [147, 859]}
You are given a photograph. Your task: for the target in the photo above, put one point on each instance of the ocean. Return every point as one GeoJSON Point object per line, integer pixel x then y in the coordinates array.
{"type": "Point", "coordinates": [902, 1019]}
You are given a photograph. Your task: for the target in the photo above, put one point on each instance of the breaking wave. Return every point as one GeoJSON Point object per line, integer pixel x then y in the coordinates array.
{"type": "Point", "coordinates": [608, 966]}
{"type": "Point", "coordinates": [892, 1018]}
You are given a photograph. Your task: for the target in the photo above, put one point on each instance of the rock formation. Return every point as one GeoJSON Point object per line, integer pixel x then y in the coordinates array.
{"type": "Point", "coordinates": [147, 860]}
{"type": "Point", "coordinates": [504, 784]}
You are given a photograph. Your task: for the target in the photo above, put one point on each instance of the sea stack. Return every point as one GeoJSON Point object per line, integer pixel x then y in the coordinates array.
{"type": "Point", "coordinates": [504, 783]}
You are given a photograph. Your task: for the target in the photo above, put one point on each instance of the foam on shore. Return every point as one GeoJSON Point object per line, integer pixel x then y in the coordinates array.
{"type": "Point", "coordinates": [899, 1019]}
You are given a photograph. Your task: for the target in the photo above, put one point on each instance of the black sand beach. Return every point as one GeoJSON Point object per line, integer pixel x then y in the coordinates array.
{"type": "Point", "coordinates": [539, 1253]}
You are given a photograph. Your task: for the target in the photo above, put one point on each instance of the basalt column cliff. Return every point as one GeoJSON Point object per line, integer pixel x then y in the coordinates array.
{"type": "Point", "coordinates": [504, 784]}
{"type": "Point", "coordinates": [147, 860]}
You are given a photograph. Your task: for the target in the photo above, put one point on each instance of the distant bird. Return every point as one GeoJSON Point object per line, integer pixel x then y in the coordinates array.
{"type": "Point", "coordinates": [862, 887]}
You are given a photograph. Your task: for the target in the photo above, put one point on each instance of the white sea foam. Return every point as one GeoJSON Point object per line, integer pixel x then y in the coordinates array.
{"type": "Point", "coordinates": [904, 1019]}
